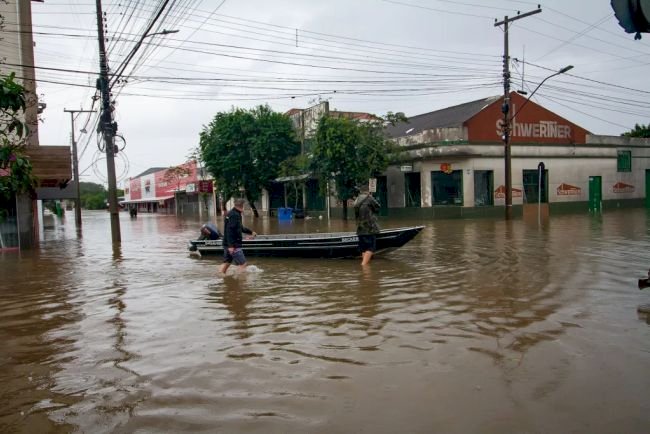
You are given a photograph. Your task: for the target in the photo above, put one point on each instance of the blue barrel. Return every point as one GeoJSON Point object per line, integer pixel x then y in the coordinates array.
{"type": "Point", "coordinates": [284, 213]}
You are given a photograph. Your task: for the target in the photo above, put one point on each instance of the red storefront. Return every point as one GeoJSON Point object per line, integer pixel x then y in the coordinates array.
{"type": "Point", "coordinates": [158, 188]}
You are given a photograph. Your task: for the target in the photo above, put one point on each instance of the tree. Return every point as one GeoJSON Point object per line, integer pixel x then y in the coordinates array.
{"type": "Point", "coordinates": [350, 152]}
{"type": "Point", "coordinates": [15, 168]}
{"type": "Point", "coordinates": [296, 168]}
{"type": "Point", "coordinates": [174, 175]}
{"type": "Point", "coordinates": [243, 150]}
{"type": "Point", "coordinates": [93, 196]}
{"type": "Point", "coordinates": [638, 131]}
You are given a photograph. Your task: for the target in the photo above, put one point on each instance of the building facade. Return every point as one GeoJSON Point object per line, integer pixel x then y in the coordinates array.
{"type": "Point", "coordinates": [177, 190]}
{"type": "Point", "coordinates": [452, 163]}
{"type": "Point", "coordinates": [51, 164]}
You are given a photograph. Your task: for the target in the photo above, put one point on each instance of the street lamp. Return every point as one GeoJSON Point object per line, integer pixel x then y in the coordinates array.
{"type": "Point", "coordinates": [506, 142]}
{"type": "Point", "coordinates": [561, 71]}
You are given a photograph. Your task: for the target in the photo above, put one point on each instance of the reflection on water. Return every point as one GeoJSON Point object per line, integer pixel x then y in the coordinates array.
{"type": "Point", "coordinates": [474, 326]}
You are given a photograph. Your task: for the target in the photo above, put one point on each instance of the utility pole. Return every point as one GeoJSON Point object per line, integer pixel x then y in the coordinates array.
{"type": "Point", "coordinates": [107, 127]}
{"type": "Point", "coordinates": [75, 168]}
{"type": "Point", "coordinates": [506, 106]}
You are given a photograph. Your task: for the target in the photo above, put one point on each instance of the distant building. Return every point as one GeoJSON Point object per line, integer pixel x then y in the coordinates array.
{"type": "Point", "coordinates": [305, 121]}
{"type": "Point", "coordinates": [178, 190]}
{"type": "Point", "coordinates": [454, 163]}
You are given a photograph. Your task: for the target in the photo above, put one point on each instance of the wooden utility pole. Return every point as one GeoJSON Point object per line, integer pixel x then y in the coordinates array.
{"type": "Point", "coordinates": [107, 127]}
{"type": "Point", "coordinates": [75, 168]}
{"type": "Point", "coordinates": [506, 106]}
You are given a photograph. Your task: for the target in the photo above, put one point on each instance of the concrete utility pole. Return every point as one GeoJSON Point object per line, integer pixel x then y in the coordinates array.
{"type": "Point", "coordinates": [75, 168]}
{"type": "Point", "coordinates": [506, 106]}
{"type": "Point", "coordinates": [107, 127]}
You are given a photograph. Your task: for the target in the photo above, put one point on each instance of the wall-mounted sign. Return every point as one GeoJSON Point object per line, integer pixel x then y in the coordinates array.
{"type": "Point", "coordinates": [541, 130]}
{"type": "Point", "coordinates": [446, 168]}
{"type": "Point", "coordinates": [568, 190]}
{"type": "Point", "coordinates": [621, 187]}
{"type": "Point", "coordinates": [406, 168]}
{"type": "Point", "coordinates": [372, 185]}
{"type": "Point", "coordinates": [205, 186]}
{"type": "Point", "coordinates": [500, 192]}
{"type": "Point", "coordinates": [190, 188]}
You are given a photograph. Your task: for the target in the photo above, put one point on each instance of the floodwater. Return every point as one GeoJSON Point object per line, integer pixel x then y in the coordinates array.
{"type": "Point", "coordinates": [474, 326]}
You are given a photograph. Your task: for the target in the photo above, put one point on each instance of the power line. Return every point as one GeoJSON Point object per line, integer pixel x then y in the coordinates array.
{"type": "Point", "coordinates": [585, 78]}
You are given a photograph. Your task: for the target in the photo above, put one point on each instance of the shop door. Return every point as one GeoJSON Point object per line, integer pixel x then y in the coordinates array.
{"type": "Point", "coordinates": [412, 190]}
{"type": "Point", "coordinates": [595, 194]}
{"type": "Point", "coordinates": [483, 187]}
{"type": "Point", "coordinates": [533, 187]}
{"type": "Point", "coordinates": [382, 195]}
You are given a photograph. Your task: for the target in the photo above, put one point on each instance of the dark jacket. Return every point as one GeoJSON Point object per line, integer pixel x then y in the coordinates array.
{"type": "Point", "coordinates": [213, 232]}
{"type": "Point", "coordinates": [365, 212]}
{"type": "Point", "coordinates": [233, 229]}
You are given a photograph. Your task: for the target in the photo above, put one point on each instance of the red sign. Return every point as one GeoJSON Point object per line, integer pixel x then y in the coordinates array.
{"type": "Point", "coordinates": [446, 168]}
{"type": "Point", "coordinates": [530, 124]}
{"type": "Point", "coordinates": [568, 190]}
{"type": "Point", "coordinates": [621, 187]}
{"type": "Point", "coordinates": [500, 192]}
{"type": "Point", "coordinates": [205, 186]}
{"type": "Point", "coordinates": [135, 191]}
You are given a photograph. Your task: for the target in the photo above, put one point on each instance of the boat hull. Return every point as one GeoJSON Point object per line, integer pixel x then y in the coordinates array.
{"type": "Point", "coordinates": [314, 245]}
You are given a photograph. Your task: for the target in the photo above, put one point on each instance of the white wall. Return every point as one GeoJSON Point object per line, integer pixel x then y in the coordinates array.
{"type": "Point", "coordinates": [572, 165]}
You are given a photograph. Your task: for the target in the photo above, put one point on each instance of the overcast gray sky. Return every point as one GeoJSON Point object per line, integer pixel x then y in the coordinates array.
{"type": "Point", "coordinates": [376, 56]}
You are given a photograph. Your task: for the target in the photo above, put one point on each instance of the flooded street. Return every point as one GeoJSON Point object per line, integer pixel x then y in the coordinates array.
{"type": "Point", "coordinates": [474, 326]}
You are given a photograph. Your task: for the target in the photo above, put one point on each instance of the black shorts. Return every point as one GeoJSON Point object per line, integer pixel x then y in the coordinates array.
{"type": "Point", "coordinates": [367, 243]}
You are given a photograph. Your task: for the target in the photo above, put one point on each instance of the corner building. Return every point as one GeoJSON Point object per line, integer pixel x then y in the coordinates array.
{"type": "Point", "coordinates": [453, 163]}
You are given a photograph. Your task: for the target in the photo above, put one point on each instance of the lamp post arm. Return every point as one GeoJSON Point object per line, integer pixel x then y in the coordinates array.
{"type": "Point", "coordinates": [561, 71]}
{"type": "Point", "coordinates": [120, 69]}
{"type": "Point", "coordinates": [533, 92]}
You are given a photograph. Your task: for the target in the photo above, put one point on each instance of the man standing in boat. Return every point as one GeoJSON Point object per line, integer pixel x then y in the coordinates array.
{"type": "Point", "coordinates": [232, 238]}
{"type": "Point", "coordinates": [365, 212]}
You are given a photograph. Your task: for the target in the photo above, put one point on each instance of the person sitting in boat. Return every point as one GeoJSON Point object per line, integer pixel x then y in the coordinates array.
{"type": "Point", "coordinates": [210, 232]}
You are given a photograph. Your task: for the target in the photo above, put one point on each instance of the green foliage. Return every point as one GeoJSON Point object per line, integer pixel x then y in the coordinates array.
{"type": "Point", "coordinates": [351, 152]}
{"type": "Point", "coordinates": [243, 149]}
{"type": "Point", "coordinates": [15, 168]}
{"type": "Point", "coordinates": [94, 201]}
{"type": "Point", "coordinates": [638, 131]}
{"type": "Point", "coordinates": [295, 167]}
{"type": "Point", "coordinates": [89, 188]}
{"type": "Point", "coordinates": [93, 196]}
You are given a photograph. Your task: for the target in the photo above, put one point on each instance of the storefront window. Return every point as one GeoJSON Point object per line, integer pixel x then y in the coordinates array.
{"type": "Point", "coordinates": [624, 161]}
{"type": "Point", "coordinates": [447, 188]}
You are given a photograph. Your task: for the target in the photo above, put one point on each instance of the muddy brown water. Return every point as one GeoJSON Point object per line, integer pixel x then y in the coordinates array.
{"type": "Point", "coordinates": [474, 326]}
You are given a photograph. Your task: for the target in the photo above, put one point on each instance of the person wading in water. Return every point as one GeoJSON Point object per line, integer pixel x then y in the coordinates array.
{"type": "Point", "coordinates": [365, 212]}
{"type": "Point", "coordinates": [232, 238]}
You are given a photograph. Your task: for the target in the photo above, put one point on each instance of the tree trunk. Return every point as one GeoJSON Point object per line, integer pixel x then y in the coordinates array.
{"type": "Point", "coordinates": [295, 188]}
{"type": "Point", "coordinates": [252, 204]}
